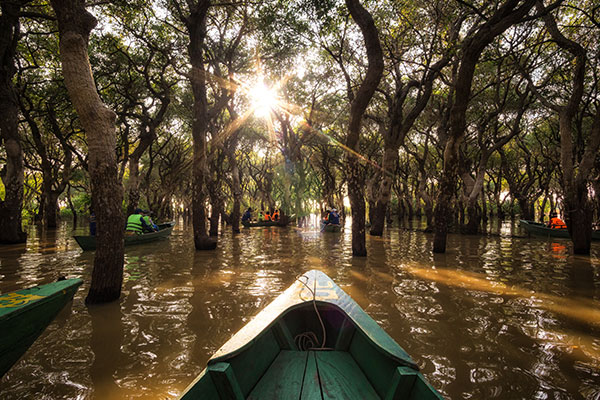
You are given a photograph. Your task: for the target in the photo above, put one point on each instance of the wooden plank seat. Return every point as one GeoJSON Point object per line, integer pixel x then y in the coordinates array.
{"type": "Point", "coordinates": [313, 375]}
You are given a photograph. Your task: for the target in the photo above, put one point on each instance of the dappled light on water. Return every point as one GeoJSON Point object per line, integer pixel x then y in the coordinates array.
{"type": "Point", "coordinates": [585, 311]}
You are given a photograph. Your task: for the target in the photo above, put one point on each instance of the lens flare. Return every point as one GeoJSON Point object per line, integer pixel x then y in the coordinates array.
{"type": "Point", "coordinates": [263, 99]}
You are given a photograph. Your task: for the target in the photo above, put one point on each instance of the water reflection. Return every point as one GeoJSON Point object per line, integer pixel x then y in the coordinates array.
{"type": "Point", "coordinates": [495, 317]}
{"type": "Point", "coordinates": [105, 342]}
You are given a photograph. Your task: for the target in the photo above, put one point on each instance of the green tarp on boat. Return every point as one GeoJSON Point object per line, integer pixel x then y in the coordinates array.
{"type": "Point", "coordinates": [312, 342]}
{"type": "Point", "coordinates": [25, 314]}
{"type": "Point", "coordinates": [164, 230]}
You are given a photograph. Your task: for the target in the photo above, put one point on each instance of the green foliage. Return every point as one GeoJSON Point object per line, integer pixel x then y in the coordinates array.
{"type": "Point", "coordinates": [313, 50]}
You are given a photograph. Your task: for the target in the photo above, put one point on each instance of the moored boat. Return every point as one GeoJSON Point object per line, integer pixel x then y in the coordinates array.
{"type": "Point", "coordinates": [539, 229]}
{"type": "Point", "coordinates": [281, 223]}
{"type": "Point", "coordinates": [330, 227]}
{"type": "Point", "coordinates": [25, 314]}
{"type": "Point", "coordinates": [164, 230]}
{"type": "Point", "coordinates": [311, 342]}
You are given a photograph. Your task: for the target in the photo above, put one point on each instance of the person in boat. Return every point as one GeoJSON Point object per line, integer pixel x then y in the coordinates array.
{"type": "Point", "coordinates": [555, 222]}
{"type": "Point", "coordinates": [247, 215]}
{"type": "Point", "coordinates": [147, 217]}
{"type": "Point", "coordinates": [267, 216]}
{"type": "Point", "coordinates": [136, 224]}
{"type": "Point", "coordinates": [325, 219]}
{"type": "Point", "coordinates": [333, 218]}
{"type": "Point", "coordinates": [261, 216]}
{"type": "Point", "coordinates": [275, 216]}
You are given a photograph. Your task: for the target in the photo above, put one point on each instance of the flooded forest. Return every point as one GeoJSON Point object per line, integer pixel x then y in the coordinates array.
{"type": "Point", "coordinates": [169, 168]}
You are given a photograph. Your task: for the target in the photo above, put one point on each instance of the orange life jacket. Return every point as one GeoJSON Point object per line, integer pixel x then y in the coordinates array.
{"type": "Point", "coordinates": [275, 216]}
{"type": "Point", "coordinates": [557, 223]}
{"type": "Point", "coordinates": [267, 216]}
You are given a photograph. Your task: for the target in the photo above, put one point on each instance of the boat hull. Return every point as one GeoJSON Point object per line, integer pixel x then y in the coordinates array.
{"type": "Point", "coordinates": [538, 229]}
{"type": "Point", "coordinates": [89, 242]}
{"type": "Point", "coordinates": [265, 223]}
{"type": "Point", "coordinates": [285, 352]}
{"type": "Point", "coordinates": [26, 313]}
{"type": "Point", "coordinates": [331, 228]}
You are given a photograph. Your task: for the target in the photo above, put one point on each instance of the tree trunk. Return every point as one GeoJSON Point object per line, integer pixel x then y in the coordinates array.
{"type": "Point", "coordinates": [215, 212]}
{"type": "Point", "coordinates": [390, 158]}
{"type": "Point", "coordinates": [357, 108]}
{"type": "Point", "coordinates": [98, 121]}
{"type": "Point", "coordinates": [12, 173]}
{"type": "Point", "coordinates": [578, 217]}
{"type": "Point", "coordinates": [474, 221]}
{"type": "Point", "coordinates": [237, 194]}
{"type": "Point", "coordinates": [542, 208]}
{"type": "Point", "coordinates": [72, 207]}
{"type": "Point", "coordinates": [51, 209]}
{"type": "Point", "coordinates": [484, 205]}
{"type": "Point", "coordinates": [525, 206]}
{"type": "Point", "coordinates": [196, 25]}
{"type": "Point", "coordinates": [133, 185]}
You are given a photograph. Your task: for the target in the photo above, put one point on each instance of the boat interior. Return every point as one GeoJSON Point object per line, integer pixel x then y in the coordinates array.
{"type": "Point", "coordinates": [290, 360]}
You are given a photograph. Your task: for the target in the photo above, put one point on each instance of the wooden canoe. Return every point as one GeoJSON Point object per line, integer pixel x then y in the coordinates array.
{"type": "Point", "coordinates": [25, 314]}
{"type": "Point", "coordinates": [265, 223]}
{"type": "Point", "coordinates": [89, 242]}
{"type": "Point", "coordinates": [539, 229]}
{"type": "Point", "coordinates": [279, 354]}
{"type": "Point", "coordinates": [331, 227]}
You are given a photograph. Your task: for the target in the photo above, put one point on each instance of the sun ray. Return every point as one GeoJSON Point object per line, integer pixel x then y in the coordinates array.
{"type": "Point", "coordinates": [264, 100]}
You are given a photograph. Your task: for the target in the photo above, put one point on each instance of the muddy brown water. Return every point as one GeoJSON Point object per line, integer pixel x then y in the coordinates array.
{"type": "Point", "coordinates": [496, 317]}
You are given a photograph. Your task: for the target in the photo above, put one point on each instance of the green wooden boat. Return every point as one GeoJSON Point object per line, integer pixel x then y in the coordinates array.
{"type": "Point", "coordinates": [265, 223]}
{"type": "Point", "coordinates": [331, 227]}
{"type": "Point", "coordinates": [286, 352]}
{"type": "Point", "coordinates": [25, 314]}
{"type": "Point", "coordinates": [539, 229]}
{"type": "Point", "coordinates": [164, 230]}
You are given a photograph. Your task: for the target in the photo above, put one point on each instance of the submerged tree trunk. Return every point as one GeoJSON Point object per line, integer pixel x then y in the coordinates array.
{"type": "Point", "coordinates": [390, 159]}
{"type": "Point", "coordinates": [51, 212]}
{"type": "Point", "coordinates": [196, 25]}
{"type": "Point", "coordinates": [215, 212]}
{"type": "Point", "coordinates": [358, 106]}
{"type": "Point", "coordinates": [474, 221]}
{"type": "Point", "coordinates": [525, 206]}
{"type": "Point", "coordinates": [237, 195]}
{"type": "Point", "coordinates": [12, 173]}
{"type": "Point", "coordinates": [72, 206]}
{"type": "Point", "coordinates": [75, 25]}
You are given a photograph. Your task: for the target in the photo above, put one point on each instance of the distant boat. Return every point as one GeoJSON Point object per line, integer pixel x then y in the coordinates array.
{"type": "Point", "coordinates": [25, 314]}
{"type": "Point", "coordinates": [164, 230]}
{"type": "Point", "coordinates": [291, 351]}
{"type": "Point", "coordinates": [330, 227]}
{"type": "Point", "coordinates": [266, 223]}
{"type": "Point", "coordinates": [539, 229]}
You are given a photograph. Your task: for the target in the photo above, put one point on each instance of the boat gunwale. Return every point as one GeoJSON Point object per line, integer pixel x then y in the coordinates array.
{"type": "Point", "coordinates": [324, 228]}
{"type": "Point", "coordinates": [164, 232]}
{"type": "Point", "coordinates": [268, 317]}
{"type": "Point", "coordinates": [256, 224]}
{"type": "Point", "coordinates": [74, 284]}
{"type": "Point", "coordinates": [541, 230]}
